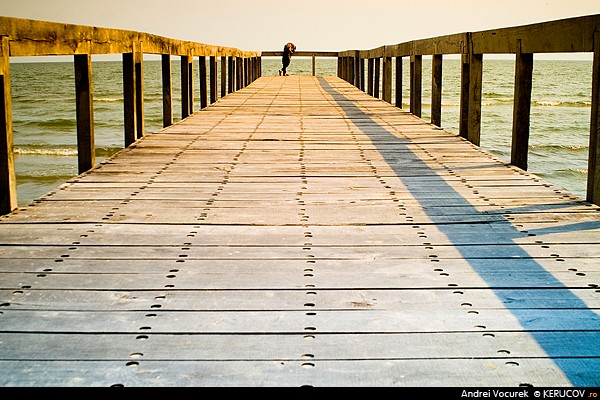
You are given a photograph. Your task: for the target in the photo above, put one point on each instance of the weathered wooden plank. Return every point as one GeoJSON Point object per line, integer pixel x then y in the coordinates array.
{"type": "Point", "coordinates": [464, 345]}
{"type": "Point", "coordinates": [396, 235]}
{"type": "Point", "coordinates": [298, 372]}
{"type": "Point", "coordinates": [291, 322]}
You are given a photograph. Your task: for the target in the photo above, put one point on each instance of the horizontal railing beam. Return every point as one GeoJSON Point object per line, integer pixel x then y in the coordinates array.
{"type": "Point", "coordinates": [42, 38]}
{"type": "Point", "coordinates": [271, 53]}
{"type": "Point", "coordinates": [560, 36]}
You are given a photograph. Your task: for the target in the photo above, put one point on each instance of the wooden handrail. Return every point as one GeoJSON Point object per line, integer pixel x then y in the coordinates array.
{"type": "Point", "coordinates": [580, 34]}
{"type": "Point", "coordinates": [26, 37]}
{"type": "Point", "coordinates": [41, 38]}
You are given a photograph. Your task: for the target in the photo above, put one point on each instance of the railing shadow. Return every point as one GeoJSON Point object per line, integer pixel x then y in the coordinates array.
{"type": "Point", "coordinates": [570, 337]}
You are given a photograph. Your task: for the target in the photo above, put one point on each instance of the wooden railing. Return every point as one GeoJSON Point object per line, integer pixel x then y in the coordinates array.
{"type": "Point", "coordinates": [312, 54]}
{"type": "Point", "coordinates": [24, 37]}
{"type": "Point", "coordinates": [580, 34]}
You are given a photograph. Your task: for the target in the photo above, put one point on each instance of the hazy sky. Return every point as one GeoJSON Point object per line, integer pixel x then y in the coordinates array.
{"type": "Point", "coordinates": [311, 24]}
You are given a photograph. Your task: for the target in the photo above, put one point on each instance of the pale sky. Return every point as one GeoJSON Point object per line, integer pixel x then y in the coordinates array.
{"type": "Point", "coordinates": [326, 25]}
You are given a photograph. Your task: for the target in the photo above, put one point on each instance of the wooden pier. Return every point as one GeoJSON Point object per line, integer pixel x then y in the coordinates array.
{"type": "Point", "coordinates": [300, 232]}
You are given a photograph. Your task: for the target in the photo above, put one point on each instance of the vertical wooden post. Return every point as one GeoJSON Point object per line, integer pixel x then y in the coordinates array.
{"type": "Point", "coordinates": [167, 90]}
{"type": "Point", "coordinates": [347, 73]}
{"type": "Point", "coordinates": [246, 71]}
{"type": "Point", "coordinates": [223, 76]}
{"type": "Point", "coordinates": [213, 79]}
{"type": "Point", "coordinates": [350, 70]}
{"type": "Point", "coordinates": [521, 108]}
{"type": "Point", "coordinates": [416, 84]}
{"type": "Point", "coordinates": [436, 90]}
{"type": "Point", "coordinates": [84, 109]}
{"type": "Point", "coordinates": [259, 67]}
{"type": "Point", "coordinates": [387, 79]}
{"type": "Point", "coordinates": [377, 75]}
{"type": "Point", "coordinates": [339, 67]}
{"type": "Point", "coordinates": [474, 107]}
{"type": "Point", "coordinates": [139, 90]}
{"type": "Point", "coordinates": [399, 82]}
{"type": "Point", "coordinates": [239, 68]}
{"type": "Point", "coordinates": [314, 65]}
{"type": "Point", "coordinates": [129, 94]}
{"type": "Point", "coordinates": [230, 74]}
{"type": "Point", "coordinates": [186, 87]}
{"type": "Point", "coordinates": [202, 77]}
{"type": "Point", "coordinates": [370, 76]}
{"type": "Point", "coordinates": [463, 128]}
{"type": "Point", "coordinates": [362, 74]}
{"type": "Point", "coordinates": [593, 179]}
{"type": "Point", "coordinates": [8, 182]}
{"type": "Point", "coordinates": [356, 71]}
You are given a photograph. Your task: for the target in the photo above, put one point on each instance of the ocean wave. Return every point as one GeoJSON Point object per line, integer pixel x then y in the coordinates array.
{"type": "Point", "coordinates": [108, 100]}
{"type": "Point", "coordinates": [557, 103]}
{"type": "Point", "coordinates": [570, 172]}
{"type": "Point", "coordinates": [52, 123]}
{"type": "Point", "coordinates": [559, 147]}
{"type": "Point", "coordinates": [60, 151]}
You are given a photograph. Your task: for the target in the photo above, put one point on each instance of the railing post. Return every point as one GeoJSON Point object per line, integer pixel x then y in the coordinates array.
{"type": "Point", "coordinates": [187, 86]}
{"type": "Point", "coordinates": [259, 67]}
{"type": "Point", "coordinates": [129, 97]}
{"type": "Point", "coordinates": [314, 65]}
{"type": "Point", "coordinates": [202, 79]}
{"type": "Point", "coordinates": [387, 79]}
{"type": "Point", "coordinates": [239, 69]}
{"type": "Point", "coordinates": [377, 75]}
{"type": "Point", "coordinates": [223, 76]}
{"type": "Point", "coordinates": [246, 71]}
{"type": "Point", "coordinates": [361, 67]}
{"type": "Point", "coordinates": [399, 82]}
{"type": "Point", "coordinates": [370, 76]}
{"type": "Point", "coordinates": [521, 108]}
{"type": "Point", "coordinates": [8, 182]}
{"type": "Point", "coordinates": [139, 88]}
{"type": "Point", "coordinates": [436, 90]}
{"type": "Point", "coordinates": [474, 107]}
{"type": "Point", "coordinates": [167, 90]}
{"type": "Point", "coordinates": [416, 83]}
{"type": "Point", "coordinates": [230, 74]}
{"type": "Point", "coordinates": [593, 179]}
{"type": "Point", "coordinates": [356, 70]}
{"type": "Point", "coordinates": [213, 79]}
{"type": "Point", "coordinates": [84, 109]}
{"type": "Point", "coordinates": [463, 124]}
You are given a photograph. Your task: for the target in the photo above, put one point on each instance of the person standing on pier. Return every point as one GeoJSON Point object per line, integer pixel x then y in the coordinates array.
{"type": "Point", "coordinates": [288, 50]}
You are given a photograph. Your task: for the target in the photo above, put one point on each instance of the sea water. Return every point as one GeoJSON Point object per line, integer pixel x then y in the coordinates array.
{"type": "Point", "coordinates": [45, 142]}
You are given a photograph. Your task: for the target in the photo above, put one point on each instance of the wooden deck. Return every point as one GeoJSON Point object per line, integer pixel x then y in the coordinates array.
{"type": "Point", "coordinates": [299, 232]}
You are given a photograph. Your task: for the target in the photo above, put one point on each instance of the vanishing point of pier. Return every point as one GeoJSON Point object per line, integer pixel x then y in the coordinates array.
{"type": "Point", "coordinates": [301, 231]}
